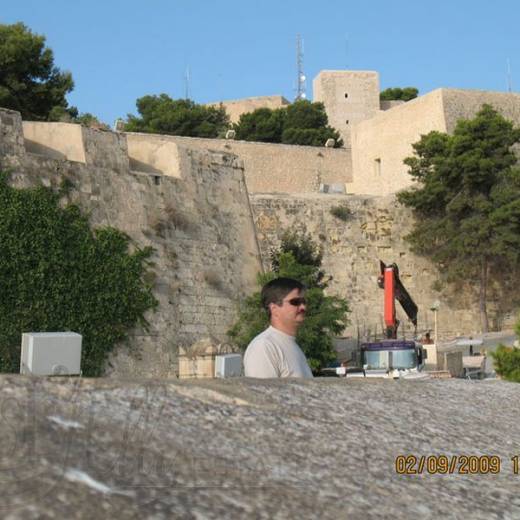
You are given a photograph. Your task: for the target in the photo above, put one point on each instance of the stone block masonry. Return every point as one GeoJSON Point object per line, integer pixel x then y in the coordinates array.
{"type": "Point", "coordinates": [268, 168]}
{"type": "Point", "coordinates": [382, 142]}
{"type": "Point", "coordinates": [349, 96]}
{"type": "Point", "coordinates": [199, 224]}
{"type": "Point", "coordinates": [235, 108]}
{"type": "Point", "coordinates": [351, 253]}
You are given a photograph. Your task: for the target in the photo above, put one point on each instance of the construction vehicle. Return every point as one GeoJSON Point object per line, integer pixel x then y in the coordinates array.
{"type": "Point", "coordinates": [391, 357]}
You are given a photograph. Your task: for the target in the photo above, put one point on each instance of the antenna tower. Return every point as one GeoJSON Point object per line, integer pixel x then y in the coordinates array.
{"type": "Point", "coordinates": [300, 82]}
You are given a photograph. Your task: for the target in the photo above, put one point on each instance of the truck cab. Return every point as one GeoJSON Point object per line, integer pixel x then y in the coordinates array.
{"type": "Point", "coordinates": [391, 358]}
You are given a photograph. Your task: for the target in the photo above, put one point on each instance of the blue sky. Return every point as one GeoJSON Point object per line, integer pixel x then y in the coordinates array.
{"type": "Point", "coordinates": [120, 50]}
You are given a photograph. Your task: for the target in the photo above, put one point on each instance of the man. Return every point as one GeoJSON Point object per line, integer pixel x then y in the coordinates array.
{"type": "Point", "coordinates": [274, 352]}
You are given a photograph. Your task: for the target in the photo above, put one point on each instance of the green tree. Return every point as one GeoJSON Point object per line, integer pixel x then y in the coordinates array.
{"type": "Point", "coordinates": [302, 123]}
{"type": "Point", "coordinates": [397, 93]}
{"type": "Point", "coordinates": [304, 114]}
{"type": "Point", "coordinates": [507, 363]}
{"type": "Point", "coordinates": [326, 316]}
{"type": "Point", "coordinates": [262, 125]}
{"type": "Point", "coordinates": [56, 274]}
{"type": "Point", "coordinates": [91, 121]}
{"type": "Point", "coordinates": [71, 115]}
{"type": "Point", "coordinates": [466, 201]}
{"type": "Point", "coordinates": [29, 81]}
{"type": "Point", "coordinates": [164, 115]}
{"type": "Point", "coordinates": [507, 359]}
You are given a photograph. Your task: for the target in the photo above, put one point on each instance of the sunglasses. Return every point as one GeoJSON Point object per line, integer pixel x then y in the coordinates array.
{"type": "Point", "coordinates": [297, 301]}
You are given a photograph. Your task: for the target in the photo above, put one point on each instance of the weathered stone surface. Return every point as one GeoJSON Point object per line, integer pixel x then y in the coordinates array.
{"type": "Point", "coordinates": [269, 167]}
{"type": "Point", "coordinates": [199, 225]}
{"type": "Point", "coordinates": [325, 448]}
{"type": "Point", "coordinates": [187, 198]}
{"type": "Point", "coordinates": [373, 230]}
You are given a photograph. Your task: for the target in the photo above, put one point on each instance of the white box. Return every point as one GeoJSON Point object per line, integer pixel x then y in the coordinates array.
{"type": "Point", "coordinates": [228, 365]}
{"type": "Point", "coordinates": [51, 353]}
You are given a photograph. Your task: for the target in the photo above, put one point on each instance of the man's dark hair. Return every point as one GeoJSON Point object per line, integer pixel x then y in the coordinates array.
{"type": "Point", "coordinates": [276, 290]}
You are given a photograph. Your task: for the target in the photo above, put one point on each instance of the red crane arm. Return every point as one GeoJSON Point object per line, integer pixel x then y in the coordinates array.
{"type": "Point", "coordinates": [394, 290]}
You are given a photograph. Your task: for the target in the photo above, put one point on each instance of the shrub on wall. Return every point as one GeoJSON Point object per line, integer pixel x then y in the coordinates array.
{"type": "Point", "coordinates": [326, 317]}
{"type": "Point", "coordinates": [400, 94]}
{"type": "Point", "coordinates": [341, 212]}
{"type": "Point", "coordinates": [56, 274]}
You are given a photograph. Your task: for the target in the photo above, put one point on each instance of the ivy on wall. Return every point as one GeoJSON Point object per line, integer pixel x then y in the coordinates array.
{"type": "Point", "coordinates": [57, 274]}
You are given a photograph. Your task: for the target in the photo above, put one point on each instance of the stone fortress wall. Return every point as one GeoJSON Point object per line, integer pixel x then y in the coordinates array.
{"type": "Point", "coordinates": [380, 144]}
{"type": "Point", "coordinates": [279, 168]}
{"type": "Point", "coordinates": [351, 252]}
{"type": "Point", "coordinates": [236, 107]}
{"type": "Point", "coordinates": [199, 222]}
{"type": "Point", "coordinates": [190, 203]}
{"type": "Point", "coordinates": [377, 135]}
{"type": "Point", "coordinates": [213, 208]}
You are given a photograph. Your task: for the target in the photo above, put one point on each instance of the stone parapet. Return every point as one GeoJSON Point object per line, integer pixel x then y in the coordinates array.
{"type": "Point", "coordinates": [268, 168]}
{"type": "Point", "coordinates": [11, 133]}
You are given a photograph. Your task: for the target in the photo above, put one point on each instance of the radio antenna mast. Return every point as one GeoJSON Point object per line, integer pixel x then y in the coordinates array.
{"type": "Point", "coordinates": [300, 82]}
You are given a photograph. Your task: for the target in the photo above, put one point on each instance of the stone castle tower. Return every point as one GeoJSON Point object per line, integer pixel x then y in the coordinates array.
{"type": "Point", "coordinates": [349, 96]}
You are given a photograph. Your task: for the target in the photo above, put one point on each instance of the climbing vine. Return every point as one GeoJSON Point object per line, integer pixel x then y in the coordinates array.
{"type": "Point", "coordinates": [57, 274]}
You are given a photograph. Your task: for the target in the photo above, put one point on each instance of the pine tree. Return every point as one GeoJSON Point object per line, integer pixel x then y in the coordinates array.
{"type": "Point", "coordinates": [466, 203]}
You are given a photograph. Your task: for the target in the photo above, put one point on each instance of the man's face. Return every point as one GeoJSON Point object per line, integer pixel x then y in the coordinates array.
{"type": "Point", "coordinates": [292, 309]}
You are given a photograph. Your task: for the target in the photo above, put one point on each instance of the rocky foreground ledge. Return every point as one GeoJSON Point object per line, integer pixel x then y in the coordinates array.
{"type": "Point", "coordinates": [101, 448]}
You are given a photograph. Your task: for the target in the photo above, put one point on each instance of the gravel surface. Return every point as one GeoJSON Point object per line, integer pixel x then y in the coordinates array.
{"type": "Point", "coordinates": [106, 448]}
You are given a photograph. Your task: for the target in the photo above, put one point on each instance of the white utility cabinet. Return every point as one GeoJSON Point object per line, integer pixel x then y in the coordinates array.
{"type": "Point", "coordinates": [228, 365]}
{"type": "Point", "coordinates": [51, 353]}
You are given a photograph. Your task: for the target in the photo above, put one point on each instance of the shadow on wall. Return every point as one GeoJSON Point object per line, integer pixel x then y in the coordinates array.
{"type": "Point", "coordinates": [140, 166]}
{"type": "Point", "coordinates": [40, 149]}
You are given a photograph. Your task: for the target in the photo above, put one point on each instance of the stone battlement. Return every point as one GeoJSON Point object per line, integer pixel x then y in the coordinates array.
{"type": "Point", "coordinates": [268, 167]}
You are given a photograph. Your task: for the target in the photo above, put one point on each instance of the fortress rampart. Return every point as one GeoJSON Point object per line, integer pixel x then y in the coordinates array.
{"type": "Point", "coordinates": [351, 253]}
{"type": "Point", "coordinates": [380, 144]}
{"type": "Point", "coordinates": [268, 168]}
{"type": "Point", "coordinates": [213, 208]}
{"type": "Point", "coordinates": [199, 224]}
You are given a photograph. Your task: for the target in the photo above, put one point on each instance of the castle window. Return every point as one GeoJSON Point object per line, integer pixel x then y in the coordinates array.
{"type": "Point", "coordinates": [377, 166]}
{"type": "Point", "coordinates": [346, 94]}
{"type": "Point", "coordinates": [347, 121]}
{"type": "Point", "coordinates": [157, 180]}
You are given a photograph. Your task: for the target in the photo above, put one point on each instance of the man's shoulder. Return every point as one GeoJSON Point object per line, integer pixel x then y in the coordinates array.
{"type": "Point", "coordinates": [265, 337]}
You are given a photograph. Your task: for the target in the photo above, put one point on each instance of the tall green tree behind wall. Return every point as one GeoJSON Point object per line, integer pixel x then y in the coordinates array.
{"type": "Point", "coordinates": [302, 123]}
{"type": "Point", "coordinates": [466, 203]}
{"type": "Point", "coordinates": [326, 316]}
{"type": "Point", "coordinates": [164, 115]}
{"type": "Point", "coordinates": [29, 81]}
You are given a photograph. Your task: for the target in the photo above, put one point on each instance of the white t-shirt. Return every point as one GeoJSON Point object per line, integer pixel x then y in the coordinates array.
{"type": "Point", "coordinates": [275, 354]}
